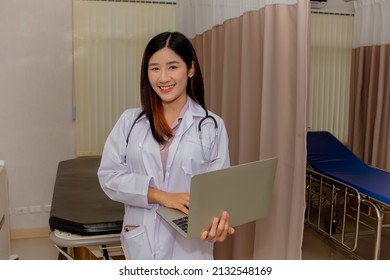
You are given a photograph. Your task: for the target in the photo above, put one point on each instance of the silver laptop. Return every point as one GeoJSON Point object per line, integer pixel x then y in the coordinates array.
{"type": "Point", "coordinates": [244, 191]}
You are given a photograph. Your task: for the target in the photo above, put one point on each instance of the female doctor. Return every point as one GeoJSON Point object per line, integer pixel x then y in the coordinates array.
{"type": "Point", "coordinates": [153, 151]}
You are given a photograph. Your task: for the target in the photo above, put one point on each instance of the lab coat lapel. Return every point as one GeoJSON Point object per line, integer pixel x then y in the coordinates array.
{"type": "Point", "coordinates": [150, 152]}
{"type": "Point", "coordinates": [193, 112]}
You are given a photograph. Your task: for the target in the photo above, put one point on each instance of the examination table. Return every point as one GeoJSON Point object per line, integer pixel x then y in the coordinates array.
{"type": "Point", "coordinates": [346, 199]}
{"type": "Point", "coordinates": [82, 216]}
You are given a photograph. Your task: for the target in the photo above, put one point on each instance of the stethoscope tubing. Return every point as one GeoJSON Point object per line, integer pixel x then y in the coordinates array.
{"type": "Point", "coordinates": [205, 160]}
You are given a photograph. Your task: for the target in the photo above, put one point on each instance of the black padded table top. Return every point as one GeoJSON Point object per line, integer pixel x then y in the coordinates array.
{"type": "Point", "coordinates": [79, 205]}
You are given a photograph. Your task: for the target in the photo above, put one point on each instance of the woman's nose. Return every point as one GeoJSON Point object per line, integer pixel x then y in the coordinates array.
{"type": "Point", "coordinates": [164, 76]}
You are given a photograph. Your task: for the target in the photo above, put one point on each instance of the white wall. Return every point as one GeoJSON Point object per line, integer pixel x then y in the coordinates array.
{"type": "Point", "coordinates": [36, 129]}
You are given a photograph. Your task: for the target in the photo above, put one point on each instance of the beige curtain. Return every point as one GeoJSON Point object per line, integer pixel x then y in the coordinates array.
{"type": "Point", "coordinates": [255, 66]}
{"type": "Point", "coordinates": [109, 39]}
{"type": "Point", "coordinates": [369, 126]}
{"type": "Point", "coordinates": [330, 67]}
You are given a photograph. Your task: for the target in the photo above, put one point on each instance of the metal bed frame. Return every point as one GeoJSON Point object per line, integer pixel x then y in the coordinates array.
{"type": "Point", "coordinates": [342, 213]}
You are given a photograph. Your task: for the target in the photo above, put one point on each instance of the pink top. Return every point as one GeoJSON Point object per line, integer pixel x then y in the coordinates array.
{"type": "Point", "coordinates": [164, 148]}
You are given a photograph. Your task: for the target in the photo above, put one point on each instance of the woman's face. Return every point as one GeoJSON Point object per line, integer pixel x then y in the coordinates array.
{"type": "Point", "coordinates": [168, 76]}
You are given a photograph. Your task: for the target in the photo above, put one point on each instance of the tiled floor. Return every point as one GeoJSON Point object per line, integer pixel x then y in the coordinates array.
{"type": "Point", "coordinates": [318, 247]}
{"type": "Point", "coordinates": [314, 247]}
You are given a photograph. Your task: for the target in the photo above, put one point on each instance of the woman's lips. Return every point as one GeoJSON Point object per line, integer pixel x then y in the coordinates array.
{"type": "Point", "coordinates": [166, 89]}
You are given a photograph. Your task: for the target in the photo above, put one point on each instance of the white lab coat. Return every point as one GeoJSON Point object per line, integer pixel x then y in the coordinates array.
{"type": "Point", "coordinates": [128, 182]}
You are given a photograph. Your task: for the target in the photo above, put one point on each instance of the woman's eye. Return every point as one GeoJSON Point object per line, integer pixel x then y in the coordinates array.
{"type": "Point", "coordinates": [173, 67]}
{"type": "Point", "coordinates": [154, 69]}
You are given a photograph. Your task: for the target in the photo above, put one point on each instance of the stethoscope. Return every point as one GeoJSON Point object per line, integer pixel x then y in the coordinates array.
{"type": "Point", "coordinates": [205, 160]}
{"type": "Point", "coordinates": [215, 157]}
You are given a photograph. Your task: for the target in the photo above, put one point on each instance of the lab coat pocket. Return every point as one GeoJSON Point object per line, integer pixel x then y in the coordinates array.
{"type": "Point", "coordinates": [194, 154]}
{"type": "Point", "coordinates": [136, 244]}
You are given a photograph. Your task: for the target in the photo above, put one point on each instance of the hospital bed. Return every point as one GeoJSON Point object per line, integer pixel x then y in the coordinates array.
{"type": "Point", "coordinates": [81, 215]}
{"type": "Point", "coordinates": [346, 199]}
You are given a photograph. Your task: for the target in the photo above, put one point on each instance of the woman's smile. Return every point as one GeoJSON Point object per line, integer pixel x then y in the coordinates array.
{"type": "Point", "coordinates": [166, 89]}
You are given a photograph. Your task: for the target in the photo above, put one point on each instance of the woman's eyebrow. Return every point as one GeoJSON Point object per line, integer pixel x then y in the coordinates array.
{"type": "Point", "coordinates": [173, 62]}
{"type": "Point", "coordinates": [169, 63]}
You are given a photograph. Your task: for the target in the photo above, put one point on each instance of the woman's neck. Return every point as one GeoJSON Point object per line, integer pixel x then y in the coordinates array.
{"type": "Point", "coordinates": [172, 110]}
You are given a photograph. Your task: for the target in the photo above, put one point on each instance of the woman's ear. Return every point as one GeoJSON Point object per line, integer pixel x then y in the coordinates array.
{"type": "Point", "coordinates": [191, 71]}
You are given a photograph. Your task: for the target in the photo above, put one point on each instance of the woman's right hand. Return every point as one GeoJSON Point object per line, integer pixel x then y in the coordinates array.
{"type": "Point", "coordinates": [219, 230]}
{"type": "Point", "coordinates": [180, 201]}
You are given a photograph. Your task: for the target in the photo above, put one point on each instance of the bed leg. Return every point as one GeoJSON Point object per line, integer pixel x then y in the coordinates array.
{"type": "Point", "coordinates": [105, 252]}
{"type": "Point", "coordinates": [378, 234]}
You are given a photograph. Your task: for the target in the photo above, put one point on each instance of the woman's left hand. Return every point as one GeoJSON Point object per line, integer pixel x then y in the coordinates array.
{"type": "Point", "coordinates": [219, 229]}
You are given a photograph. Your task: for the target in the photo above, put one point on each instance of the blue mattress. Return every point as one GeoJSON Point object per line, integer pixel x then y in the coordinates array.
{"type": "Point", "coordinates": [327, 155]}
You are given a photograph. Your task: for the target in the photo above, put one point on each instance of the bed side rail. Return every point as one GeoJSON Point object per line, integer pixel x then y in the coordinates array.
{"type": "Point", "coordinates": [327, 203]}
{"type": "Point", "coordinates": [341, 213]}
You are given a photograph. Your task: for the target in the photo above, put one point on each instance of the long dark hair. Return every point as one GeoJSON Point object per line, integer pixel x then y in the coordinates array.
{"type": "Point", "coordinates": [150, 101]}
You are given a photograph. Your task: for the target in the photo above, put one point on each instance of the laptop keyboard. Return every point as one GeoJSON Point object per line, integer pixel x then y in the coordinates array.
{"type": "Point", "coordinates": [182, 223]}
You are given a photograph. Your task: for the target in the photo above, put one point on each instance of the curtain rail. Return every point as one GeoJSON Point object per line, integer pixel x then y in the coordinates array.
{"type": "Point", "coordinates": [138, 1]}
{"type": "Point", "coordinates": [331, 12]}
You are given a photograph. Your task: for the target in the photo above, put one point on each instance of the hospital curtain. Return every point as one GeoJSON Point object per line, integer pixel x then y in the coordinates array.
{"type": "Point", "coordinates": [109, 38]}
{"type": "Point", "coordinates": [330, 67]}
{"type": "Point", "coordinates": [254, 57]}
{"type": "Point", "coordinates": [369, 127]}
